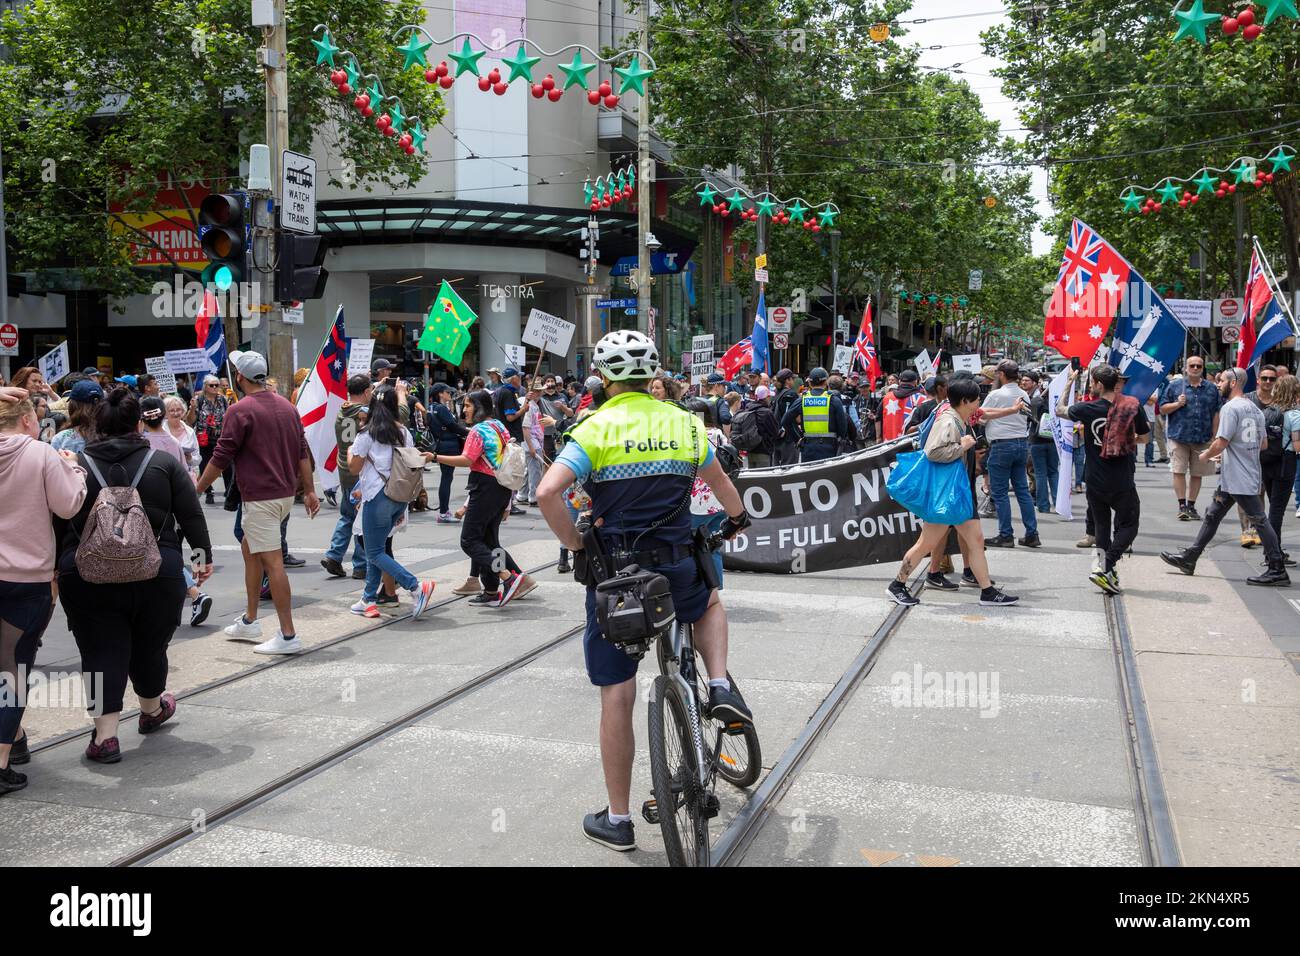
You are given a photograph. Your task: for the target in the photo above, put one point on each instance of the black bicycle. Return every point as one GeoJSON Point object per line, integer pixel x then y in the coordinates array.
{"type": "Point", "coordinates": [689, 751]}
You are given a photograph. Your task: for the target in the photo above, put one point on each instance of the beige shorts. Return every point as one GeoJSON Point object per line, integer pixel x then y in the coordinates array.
{"type": "Point", "coordinates": [261, 523]}
{"type": "Point", "coordinates": [1186, 459]}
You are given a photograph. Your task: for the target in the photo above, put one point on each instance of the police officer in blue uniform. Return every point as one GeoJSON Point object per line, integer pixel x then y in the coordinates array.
{"type": "Point", "coordinates": [638, 458]}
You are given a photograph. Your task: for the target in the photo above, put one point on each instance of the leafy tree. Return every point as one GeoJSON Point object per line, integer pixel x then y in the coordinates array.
{"type": "Point", "coordinates": [102, 104]}
{"type": "Point", "coordinates": [1114, 101]}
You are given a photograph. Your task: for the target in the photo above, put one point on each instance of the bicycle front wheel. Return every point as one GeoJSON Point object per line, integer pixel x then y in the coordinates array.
{"type": "Point", "coordinates": [674, 772]}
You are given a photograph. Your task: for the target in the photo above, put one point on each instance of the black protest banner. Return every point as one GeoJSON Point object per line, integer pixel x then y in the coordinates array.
{"type": "Point", "coordinates": [823, 515]}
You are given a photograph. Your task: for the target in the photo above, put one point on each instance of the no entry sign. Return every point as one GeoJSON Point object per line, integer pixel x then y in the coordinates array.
{"type": "Point", "coordinates": [8, 339]}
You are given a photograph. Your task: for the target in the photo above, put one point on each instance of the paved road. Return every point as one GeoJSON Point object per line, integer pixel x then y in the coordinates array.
{"type": "Point", "coordinates": [1030, 768]}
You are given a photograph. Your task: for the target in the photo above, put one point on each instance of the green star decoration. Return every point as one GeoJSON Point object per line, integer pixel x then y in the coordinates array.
{"type": "Point", "coordinates": [707, 195]}
{"type": "Point", "coordinates": [418, 136]}
{"type": "Point", "coordinates": [1280, 8]}
{"type": "Point", "coordinates": [1132, 200]}
{"type": "Point", "coordinates": [414, 51]}
{"type": "Point", "coordinates": [376, 96]}
{"type": "Point", "coordinates": [631, 177]}
{"type": "Point", "coordinates": [521, 64]}
{"type": "Point", "coordinates": [325, 49]}
{"type": "Point", "coordinates": [736, 200]}
{"type": "Point", "coordinates": [634, 76]}
{"type": "Point", "coordinates": [398, 119]}
{"type": "Point", "coordinates": [576, 71]}
{"type": "Point", "coordinates": [1244, 171]}
{"type": "Point", "coordinates": [1205, 183]}
{"type": "Point", "coordinates": [1193, 21]}
{"type": "Point", "coordinates": [354, 74]}
{"type": "Point", "coordinates": [1168, 192]}
{"type": "Point", "coordinates": [797, 211]}
{"type": "Point", "coordinates": [467, 59]}
{"type": "Point", "coordinates": [1281, 161]}
{"type": "Point", "coordinates": [587, 194]}
{"type": "Point", "coordinates": [765, 206]}
{"type": "Point", "coordinates": [828, 217]}
{"type": "Point", "coordinates": [621, 180]}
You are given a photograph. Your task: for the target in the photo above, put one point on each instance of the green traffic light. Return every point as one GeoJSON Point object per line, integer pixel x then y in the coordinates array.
{"type": "Point", "coordinates": [223, 278]}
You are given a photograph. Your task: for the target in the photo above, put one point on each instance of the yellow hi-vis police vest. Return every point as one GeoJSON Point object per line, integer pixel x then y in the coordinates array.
{"type": "Point", "coordinates": [634, 435]}
{"type": "Point", "coordinates": [817, 415]}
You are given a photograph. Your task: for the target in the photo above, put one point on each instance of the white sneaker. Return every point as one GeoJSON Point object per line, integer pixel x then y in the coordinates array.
{"type": "Point", "coordinates": [1297, 512]}
{"type": "Point", "coordinates": [240, 631]}
{"type": "Point", "coordinates": [278, 645]}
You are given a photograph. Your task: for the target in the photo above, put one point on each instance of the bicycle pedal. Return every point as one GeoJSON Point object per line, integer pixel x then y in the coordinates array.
{"type": "Point", "coordinates": [711, 806]}
{"type": "Point", "coordinates": [735, 729]}
{"type": "Point", "coordinates": [650, 811]}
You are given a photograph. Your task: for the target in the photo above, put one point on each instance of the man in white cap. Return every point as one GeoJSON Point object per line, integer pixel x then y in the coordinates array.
{"type": "Point", "coordinates": [262, 436]}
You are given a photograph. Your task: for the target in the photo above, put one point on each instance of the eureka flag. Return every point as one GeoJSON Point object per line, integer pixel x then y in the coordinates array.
{"type": "Point", "coordinates": [446, 330]}
{"type": "Point", "coordinates": [1148, 339]}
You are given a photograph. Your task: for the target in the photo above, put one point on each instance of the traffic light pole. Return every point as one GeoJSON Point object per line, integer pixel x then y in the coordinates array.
{"type": "Point", "coordinates": [272, 337]}
{"type": "Point", "coordinates": [643, 193]}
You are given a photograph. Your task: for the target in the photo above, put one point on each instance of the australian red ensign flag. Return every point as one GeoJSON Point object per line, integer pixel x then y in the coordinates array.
{"type": "Point", "coordinates": [864, 348]}
{"type": "Point", "coordinates": [319, 401]}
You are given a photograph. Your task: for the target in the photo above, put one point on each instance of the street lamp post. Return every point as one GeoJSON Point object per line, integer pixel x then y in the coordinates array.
{"type": "Point", "coordinates": [835, 283]}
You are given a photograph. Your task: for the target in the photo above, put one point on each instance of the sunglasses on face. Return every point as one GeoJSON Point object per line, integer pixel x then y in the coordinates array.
{"type": "Point", "coordinates": [1271, 378]}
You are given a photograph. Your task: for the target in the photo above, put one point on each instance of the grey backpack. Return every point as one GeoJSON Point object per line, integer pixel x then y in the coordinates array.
{"type": "Point", "coordinates": [406, 476]}
{"type": "Point", "coordinates": [117, 544]}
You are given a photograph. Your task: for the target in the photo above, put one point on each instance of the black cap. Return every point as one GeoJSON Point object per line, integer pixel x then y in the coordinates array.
{"type": "Point", "coordinates": [817, 375]}
{"type": "Point", "coordinates": [909, 375]}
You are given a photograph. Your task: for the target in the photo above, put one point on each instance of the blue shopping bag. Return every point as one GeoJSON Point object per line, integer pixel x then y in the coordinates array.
{"type": "Point", "coordinates": [939, 494]}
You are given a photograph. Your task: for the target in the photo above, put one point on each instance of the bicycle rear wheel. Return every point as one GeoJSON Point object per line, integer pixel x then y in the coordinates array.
{"type": "Point", "coordinates": [674, 772]}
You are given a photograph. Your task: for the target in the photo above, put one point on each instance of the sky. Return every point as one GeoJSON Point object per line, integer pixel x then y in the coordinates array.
{"type": "Point", "coordinates": [958, 34]}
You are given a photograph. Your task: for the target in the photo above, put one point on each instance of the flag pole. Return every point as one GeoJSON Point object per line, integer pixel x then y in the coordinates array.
{"type": "Point", "coordinates": [1273, 283]}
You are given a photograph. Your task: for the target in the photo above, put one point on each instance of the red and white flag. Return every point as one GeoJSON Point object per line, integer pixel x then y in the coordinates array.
{"type": "Point", "coordinates": [1258, 294]}
{"type": "Point", "coordinates": [739, 356]}
{"type": "Point", "coordinates": [864, 348]}
{"type": "Point", "coordinates": [319, 400]}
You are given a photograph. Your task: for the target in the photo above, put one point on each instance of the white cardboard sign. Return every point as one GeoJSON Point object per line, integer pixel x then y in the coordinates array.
{"type": "Point", "coordinates": [55, 363]}
{"type": "Point", "coordinates": [1193, 313]}
{"type": "Point", "coordinates": [549, 332]}
{"type": "Point", "coordinates": [360, 354]}
{"type": "Point", "coordinates": [516, 355]}
{"type": "Point", "coordinates": [187, 360]}
{"type": "Point", "coordinates": [924, 367]}
{"type": "Point", "coordinates": [966, 363]}
{"type": "Point", "coordinates": [843, 356]}
{"type": "Point", "coordinates": [702, 364]}
{"type": "Point", "coordinates": [157, 367]}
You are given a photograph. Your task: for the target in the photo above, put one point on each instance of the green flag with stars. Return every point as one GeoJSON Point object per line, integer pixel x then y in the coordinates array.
{"type": "Point", "coordinates": [446, 330]}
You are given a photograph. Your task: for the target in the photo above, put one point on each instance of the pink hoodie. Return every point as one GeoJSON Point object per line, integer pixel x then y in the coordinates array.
{"type": "Point", "coordinates": [34, 481]}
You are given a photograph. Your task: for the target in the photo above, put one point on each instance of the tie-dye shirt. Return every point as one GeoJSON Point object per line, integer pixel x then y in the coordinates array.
{"type": "Point", "coordinates": [483, 448]}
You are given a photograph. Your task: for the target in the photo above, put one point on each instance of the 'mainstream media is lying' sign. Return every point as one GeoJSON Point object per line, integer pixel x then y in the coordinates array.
{"type": "Point", "coordinates": [823, 515]}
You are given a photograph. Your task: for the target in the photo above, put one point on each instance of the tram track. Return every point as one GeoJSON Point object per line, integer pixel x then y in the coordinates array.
{"type": "Point", "coordinates": [235, 808]}
{"type": "Point", "coordinates": [266, 665]}
{"type": "Point", "coordinates": [1157, 840]}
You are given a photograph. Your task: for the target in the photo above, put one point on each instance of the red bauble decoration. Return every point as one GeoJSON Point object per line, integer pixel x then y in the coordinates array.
{"type": "Point", "coordinates": [593, 97]}
{"type": "Point", "coordinates": [410, 150]}
{"type": "Point", "coordinates": [484, 84]}
{"type": "Point", "coordinates": [817, 228]}
{"type": "Point", "coordinates": [431, 75]}
{"type": "Point", "coordinates": [500, 89]}
{"type": "Point", "coordinates": [1183, 203]}
{"type": "Point", "coordinates": [726, 212]}
{"type": "Point", "coordinates": [1230, 26]}
{"type": "Point", "coordinates": [361, 101]}
{"type": "Point", "coordinates": [345, 89]}
{"type": "Point", "coordinates": [548, 82]}
{"type": "Point", "coordinates": [611, 101]}
{"type": "Point", "coordinates": [604, 89]}
{"type": "Point", "coordinates": [405, 140]}
{"type": "Point", "coordinates": [595, 204]}
{"type": "Point", "coordinates": [446, 81]}
{"type": "Point", "coordinates": [1251, 32]}
{"type": "Point", "coordinates": [537, 91]}
{"type": "Point", "coordinates": [554, 94]}
{"type": "Point", "coordinates": [368, 111]}
{"type": "Point", "coordinates": [605, 202]}
{"type": "Point", "coordinates": [1246, 17]}
{"type": "Point", "coordinates": [442, 69]}
{"type": "Point", "coordinates": [1268, 177]}
{"type": "Point", "coordinates": [383, 121]}
{"type": "Point", "coordinates": [337, 77]}
{"type": "Point", "coordinates": [1220, 193]}
{"type": "Point", "coordinates": [1232, 188]}
{"type": "Point", "coordinates": [1157, 207]}
{"type": "Point", "coordinates": [389, 131]}
{"type": "Point", "coordinates": [1194, 200]}
{"type": "Point", "coordinates": [1146, 211]}
{"type": "Point", "coordinates": [1186, 194]}
{"type": "Point", "coordinates": [495, 76]}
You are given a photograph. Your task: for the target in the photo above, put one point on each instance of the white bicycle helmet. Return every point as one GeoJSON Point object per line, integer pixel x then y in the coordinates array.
{"type": "Point", "coordinates": [626, 354]}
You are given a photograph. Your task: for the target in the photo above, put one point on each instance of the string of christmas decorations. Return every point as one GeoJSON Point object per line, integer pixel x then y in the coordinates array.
{"type": "Point", "coordinates": [752, 206]}
{"type": "Point", "coordinates": [633, 76]}
{"type": "Point", "coordinates": [610, 188]}
{"type": "Point", "coordinates": [1245, 170]}
{"type": "Point", "coordinates": [347, 80]}
{"type": "Point", "coordinates": [947, 300]}
{"type": "Point", "coordinates": [1193, 22]}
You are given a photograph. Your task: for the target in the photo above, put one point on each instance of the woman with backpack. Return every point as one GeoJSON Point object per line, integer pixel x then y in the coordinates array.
{"type": "Point", "coordinates": [120, 561]}
{"type": "Point", "coordinates": [489, 500]}
{"type": "Point", "coordinates": [389, 479]}
{"type": "Point", "coordinates": [35, 480]}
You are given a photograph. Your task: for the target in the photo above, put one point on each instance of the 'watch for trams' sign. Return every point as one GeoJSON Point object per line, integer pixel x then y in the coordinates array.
{"type": "Point", "coordinates": [298, 193]}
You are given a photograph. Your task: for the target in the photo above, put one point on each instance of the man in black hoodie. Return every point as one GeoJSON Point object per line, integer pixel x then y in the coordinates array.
{"type": "Point", "coordinates": [787, 450]}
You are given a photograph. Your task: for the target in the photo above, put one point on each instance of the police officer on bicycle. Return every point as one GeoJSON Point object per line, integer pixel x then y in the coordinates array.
{"type": "Point", "coordinates": [638, 459]}
{"type": "Point", "coordinates": [822, 418]}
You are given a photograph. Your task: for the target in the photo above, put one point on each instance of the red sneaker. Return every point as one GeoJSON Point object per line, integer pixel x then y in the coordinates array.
{"type": "Point", "coordinates": [103, 751]}
{"type": "Point", "coordinates": [167, 707]}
